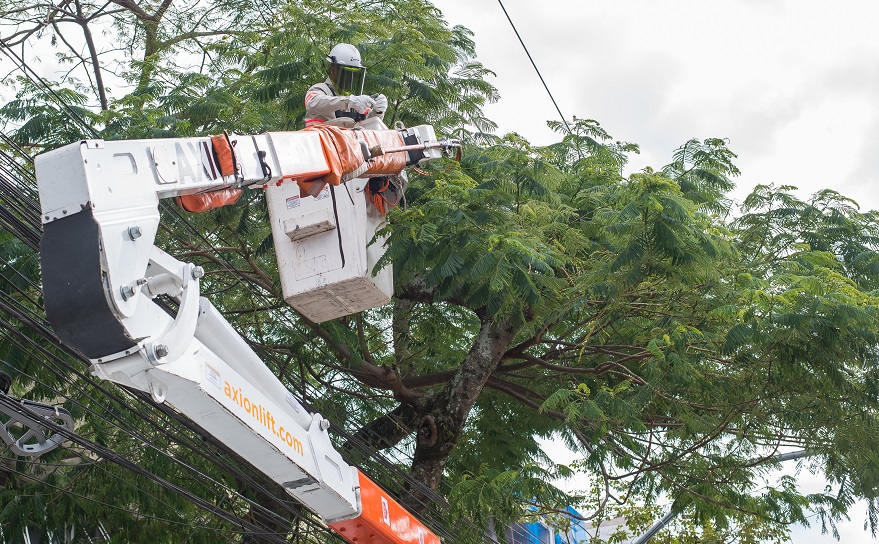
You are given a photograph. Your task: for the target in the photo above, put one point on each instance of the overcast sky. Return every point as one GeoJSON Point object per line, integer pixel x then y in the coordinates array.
{"type": "Point", "coordinates": [793, 85]}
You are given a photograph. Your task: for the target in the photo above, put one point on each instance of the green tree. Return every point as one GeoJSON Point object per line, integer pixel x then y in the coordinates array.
{"type": "Point", "coordinates": [685, 348]}
{"type": "Point", "coordinates": [229, 90]}
{"type": "Point", "coordinates": [539, 291]}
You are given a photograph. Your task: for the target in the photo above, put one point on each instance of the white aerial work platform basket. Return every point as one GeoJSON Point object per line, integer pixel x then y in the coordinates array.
{"type": "Point", "coordinates": [325, 258]}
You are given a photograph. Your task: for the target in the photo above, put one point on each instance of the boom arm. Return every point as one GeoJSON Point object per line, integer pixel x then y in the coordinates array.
{"type": "Point", "coordinates": [101, 273]}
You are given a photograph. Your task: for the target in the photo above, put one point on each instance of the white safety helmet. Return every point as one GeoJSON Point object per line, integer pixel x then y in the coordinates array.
{"type": "Point", "coordinates": [346, 69]}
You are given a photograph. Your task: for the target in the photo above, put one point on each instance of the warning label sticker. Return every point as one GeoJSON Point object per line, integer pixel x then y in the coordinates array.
{"type": "Point", "coordinates": [386, 515]}
{"type": "Point", "coordinates": [324, 193]}
{"type": "Point", "coordinates": [293, 202]}
{"type": "Point", "coordinates": [212, 374]}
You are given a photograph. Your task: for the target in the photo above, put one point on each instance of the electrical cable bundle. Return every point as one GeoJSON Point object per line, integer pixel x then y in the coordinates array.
{"type": "Point", "coordinates": [26, 330]}
{"type": "Point", "coordinates": [21, 318]}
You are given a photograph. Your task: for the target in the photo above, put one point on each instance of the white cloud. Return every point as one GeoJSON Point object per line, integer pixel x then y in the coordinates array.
{"type": "Point", "coordinates": [792, 84]}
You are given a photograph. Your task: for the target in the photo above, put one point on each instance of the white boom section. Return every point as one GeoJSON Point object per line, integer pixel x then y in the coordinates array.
{"type": "Point", "coordinates": [101, 273]}
{"type": "Point", "coordinates": [122, 182]}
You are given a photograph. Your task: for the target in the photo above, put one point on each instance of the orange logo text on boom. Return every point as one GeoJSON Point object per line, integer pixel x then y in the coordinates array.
{"type": "Point", "coordinates": [258, 412]}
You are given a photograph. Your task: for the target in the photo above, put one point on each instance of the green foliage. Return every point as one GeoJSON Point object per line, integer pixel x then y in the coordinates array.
{"type": "Point", "coordinates": [488, 238]}
{"type": "Point", "coordinates": [489, 495]}
{"type": "Point", "coordinates": [425, 68]}
{"type": "Point", "coordinates": [40, 122]}
{"type": "Point", "coordinates": [685, 526]}
{"type": "Point", "coordinates": [685, 345]}
{"type": "Point", "coordinates": [674, 347]}
{"type": "Point", "coordinates": [703, 171]}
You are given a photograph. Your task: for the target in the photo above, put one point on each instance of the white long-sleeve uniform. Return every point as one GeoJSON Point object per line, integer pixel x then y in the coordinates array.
{"type": "Point", "coordinates": [323, 104]}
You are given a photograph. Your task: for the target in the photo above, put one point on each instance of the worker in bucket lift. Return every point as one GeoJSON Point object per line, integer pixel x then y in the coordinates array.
{"type": "Point", "coordinates": [340, 100]}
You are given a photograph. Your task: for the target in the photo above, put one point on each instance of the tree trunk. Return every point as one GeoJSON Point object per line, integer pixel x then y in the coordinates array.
{"type": "Point", "coordinates": [152, 44]}
{"type": "Point", "coordinates": [448, 410]}
{"type": "Point", "coordinates": [149, 52]}
{"type": "Point", "coordinates": [400, 329]}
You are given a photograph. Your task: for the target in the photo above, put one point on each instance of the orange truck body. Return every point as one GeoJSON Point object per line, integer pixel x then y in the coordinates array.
{"type": "Point", "coordinates": [382, 520]}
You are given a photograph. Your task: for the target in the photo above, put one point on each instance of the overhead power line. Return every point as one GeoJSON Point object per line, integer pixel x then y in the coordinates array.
{"type": "Point", "coordinates": [20, 202]}
{"type": "Point", "coordinates": [18, 187]}
{"type": "Point", "coordinates": [545, 86]}
{"type": "Point", "coordinates": [20, 216]}
{"type": "Point", "coordinates": [30, 347]}
{"type": "Point", "coordinates": [34, 77]}
{"type": "Point", "coordinates": [110, 455]}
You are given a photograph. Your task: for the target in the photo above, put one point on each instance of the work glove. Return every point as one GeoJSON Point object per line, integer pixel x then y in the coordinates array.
{"type": "Point", "coordinates": [361, 103]}
{"type": "Point", "coordinates": [381, 104]}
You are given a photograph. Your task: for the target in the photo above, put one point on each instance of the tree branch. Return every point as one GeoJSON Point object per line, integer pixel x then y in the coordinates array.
{"type": "Point", "coordinates": [384, 432]}
{"type": "Point", "coordinates": [132, 6]}
{"type": "Point", "coordinates": [165, 44]}
{"type": "Point", "coordinates": [513, 391]}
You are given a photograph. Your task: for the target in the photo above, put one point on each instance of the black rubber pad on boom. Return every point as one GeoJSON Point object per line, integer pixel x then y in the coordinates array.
{"type": "Point", "coordinates": [73, 288]}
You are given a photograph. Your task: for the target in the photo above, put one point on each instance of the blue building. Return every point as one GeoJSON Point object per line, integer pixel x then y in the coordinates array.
{"type": "Point", "coordinates": [542, 532]}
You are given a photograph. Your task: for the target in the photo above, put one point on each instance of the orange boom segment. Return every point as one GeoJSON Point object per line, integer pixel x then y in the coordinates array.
{"type": "Point", "coordinates": [382, 521]}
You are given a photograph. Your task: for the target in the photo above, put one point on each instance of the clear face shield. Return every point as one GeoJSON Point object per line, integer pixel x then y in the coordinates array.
{"type": "Point", "coordinates": [347, 79]}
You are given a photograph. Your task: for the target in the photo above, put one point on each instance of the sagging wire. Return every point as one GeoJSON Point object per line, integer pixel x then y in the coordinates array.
{"type": "Point", "coordinates": [135, 513]}
{"type": "Point", "coordinates": [114, 457]}
{"type": "Point", "coordinates": [197, 448]}
{"type": "Point", "coordinates": [400, 474]}
{"type": "Point", "coordinates": [534, 64]}
{"type": "Point", "coordinates": [438, 526]}
{"type": "Point", "coordinates": [42, 329]}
